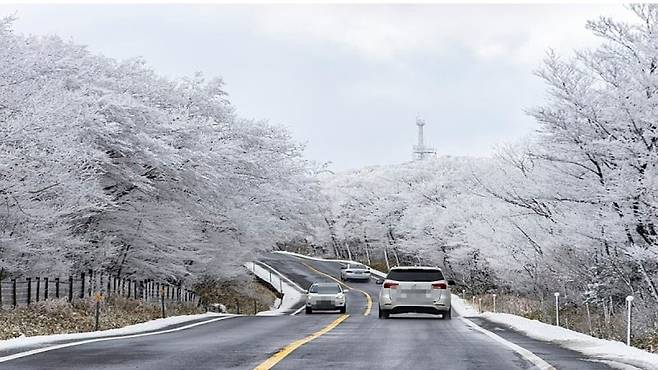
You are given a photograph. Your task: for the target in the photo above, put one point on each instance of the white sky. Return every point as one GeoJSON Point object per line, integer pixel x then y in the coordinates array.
{"type": "Point", "coordinates": [348, 80]}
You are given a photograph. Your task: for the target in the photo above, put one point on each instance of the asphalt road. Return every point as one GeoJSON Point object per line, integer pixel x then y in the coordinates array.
{"type": "Point", "coordinates": [360, 342]}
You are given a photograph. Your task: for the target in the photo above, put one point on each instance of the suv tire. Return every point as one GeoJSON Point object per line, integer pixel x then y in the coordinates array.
{"type": "Point", "coordinates": [447, 315]}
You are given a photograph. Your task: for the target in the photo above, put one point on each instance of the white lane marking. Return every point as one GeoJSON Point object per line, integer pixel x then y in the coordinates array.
{"type": "Point", "coordinates": [298, 311]}
{"type": "Point", "coordinates": [65, 345]}
{"type": "Point", "coordinates": [536, 360]}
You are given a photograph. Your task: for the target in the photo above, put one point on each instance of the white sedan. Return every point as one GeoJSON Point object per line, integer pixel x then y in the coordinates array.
{"type": "Point", "coordinates": [326, 296]}
{"type": "Point", "coordinates": [354, 271]}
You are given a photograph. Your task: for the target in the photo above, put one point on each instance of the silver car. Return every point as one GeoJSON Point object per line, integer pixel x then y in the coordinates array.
{"type": "Point", "coordinates": [354, 271]}
{"type": "Point", "coordinates": [326, 296]}
{"type": "Point", "coordinates": [415, 289]}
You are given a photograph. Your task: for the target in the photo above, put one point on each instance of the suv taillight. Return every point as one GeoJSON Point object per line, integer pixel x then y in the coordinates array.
{"type": "Point", "coordinates": [439, 286]}
{"type": "Point", "coordinates": [391, 284]}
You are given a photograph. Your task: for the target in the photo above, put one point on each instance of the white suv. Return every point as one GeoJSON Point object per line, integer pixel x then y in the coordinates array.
{"type": "Point", "coordinates": [415, 289]}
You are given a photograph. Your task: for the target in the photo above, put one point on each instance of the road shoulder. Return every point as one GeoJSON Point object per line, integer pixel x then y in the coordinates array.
{"type": "Point", "coordinates": [14, 346]}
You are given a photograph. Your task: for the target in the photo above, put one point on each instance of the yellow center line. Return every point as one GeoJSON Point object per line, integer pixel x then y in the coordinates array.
{"type": "Point", "coordinates": [368, 298]}
{"type": "Point", "coordinates": [277, 357]}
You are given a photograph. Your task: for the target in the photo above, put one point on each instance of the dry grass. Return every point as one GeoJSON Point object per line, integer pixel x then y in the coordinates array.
{"type": "Point", "coordinates": [246, 296]}
{"type": "Point", "coordinates": [57, 316]}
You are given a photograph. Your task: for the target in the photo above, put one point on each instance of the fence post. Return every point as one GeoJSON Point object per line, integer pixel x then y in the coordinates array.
{"type": "Point", "coordinates": [237, 306]}
{"type": "Point", "coordinates": [99, 297]}
{"type": "Point", "coordinates": [70, 288]}
{"type": "Point", "coordinates": [255, 307]}
{"type": "Point", "coordinates": [57, 288]}
{"type": "Point", "coordinates": [29, 290]}
{"type": "Point", "coordinates": [162, 301]}
{"type": "Point", "coordinates": [45, 288]}
{"type": "Point", "coordinates": [13, 292]}
{"type": "Point", "coordinates": [38, 289]}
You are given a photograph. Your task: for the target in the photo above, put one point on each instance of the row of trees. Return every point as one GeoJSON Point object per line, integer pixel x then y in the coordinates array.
{"type": "Point", "coordinates": [572, 209]}
{"type": "Point", "coordinates": [106, 165]}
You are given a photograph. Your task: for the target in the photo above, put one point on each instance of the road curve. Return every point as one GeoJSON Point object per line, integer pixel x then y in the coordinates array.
{"type": "Point", "coordinates": [358, 342]}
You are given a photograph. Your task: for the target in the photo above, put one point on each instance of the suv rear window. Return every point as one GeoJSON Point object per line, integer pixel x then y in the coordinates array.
{"type": "Point", "coordinates": [415, 275]}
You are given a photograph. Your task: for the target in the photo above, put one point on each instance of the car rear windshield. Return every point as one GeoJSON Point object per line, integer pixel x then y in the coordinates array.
{"type": "Point", "coordinates": [415, 275]}
{"type": "Point", "coordinates": [357, 267]}
{"type": "Point", "coordinates": [324, 289]}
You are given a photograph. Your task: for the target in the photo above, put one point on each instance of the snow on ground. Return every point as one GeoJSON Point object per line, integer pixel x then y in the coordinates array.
{"type": "Point", "coordinates": [292, 293]}
{"type": "Point", "coordinates": [595, 347]}
{"type": "Point", "coordinates": [126, 330]}
{"type": "Point", "coordinates": [462, 307]}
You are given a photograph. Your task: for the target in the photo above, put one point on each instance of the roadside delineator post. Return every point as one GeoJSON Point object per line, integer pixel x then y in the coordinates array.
{"type": "Point", "coordinates": [629, 306]}
{"type": "Point", "coordinates": [480, 305]}
{"type": "Point", "coordinates": [557, 308]}
{"type": "Point", "coordinates": [494, 302]}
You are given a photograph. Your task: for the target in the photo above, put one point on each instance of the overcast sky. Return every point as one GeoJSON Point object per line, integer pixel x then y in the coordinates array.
{"type": "Point", "coordinates": [348, 80]}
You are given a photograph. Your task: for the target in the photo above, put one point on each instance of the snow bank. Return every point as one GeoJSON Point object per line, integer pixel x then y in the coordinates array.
{"type": "Point", "coordinates": [462, 308]}
{"type": "Point", "coordinates": [595, 347]}
{"type": "Point", "coordinates": [152, 325]}
{"type": "Point", "coordinates": [292, 293]}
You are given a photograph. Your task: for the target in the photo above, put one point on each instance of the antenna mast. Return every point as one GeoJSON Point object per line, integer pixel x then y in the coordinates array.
{"type": "Point", "coordinates": [420, 151]}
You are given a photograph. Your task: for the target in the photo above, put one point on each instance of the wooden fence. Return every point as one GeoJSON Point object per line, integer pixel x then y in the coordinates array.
{"type": "Point", "coordinates": [25, 291]}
